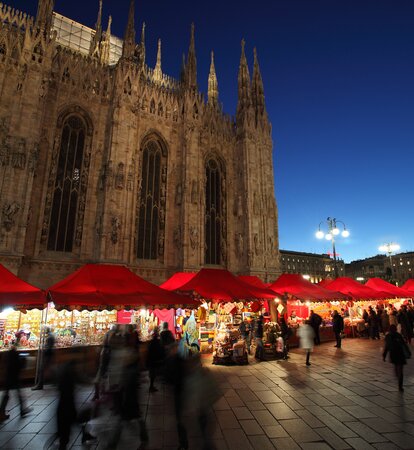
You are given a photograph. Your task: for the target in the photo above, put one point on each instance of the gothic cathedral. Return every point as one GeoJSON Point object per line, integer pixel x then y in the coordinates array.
{"type": "Point", "coordinates": [104, 159]}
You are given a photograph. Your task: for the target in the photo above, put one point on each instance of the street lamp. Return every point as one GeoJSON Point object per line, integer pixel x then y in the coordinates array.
{"type": "Point", "coordinates": [389, 249]}
{"type": "Point", "coordinates": [333, 231]}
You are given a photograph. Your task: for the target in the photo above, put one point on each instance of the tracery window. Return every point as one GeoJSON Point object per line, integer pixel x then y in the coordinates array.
{"type": "Point", "coordinates": [152, 201]}
{"type": "Point", "coordinates": [67, 185]}
{"type": "Point", "coordinates": [215, 221]}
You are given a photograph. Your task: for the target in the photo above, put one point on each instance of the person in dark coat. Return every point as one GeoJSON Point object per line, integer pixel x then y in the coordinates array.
{"type": "Point", "coordinates": [399, 351]}
{"type": "Point", "coordinates": [373, 324]}
{"type": "Point", "coordinates": [338, 327]}
{"type": "Point", "coordinates": [404, 321]}
{"type": "Point", "coordinates": [315, 321]}
{"type": "Point", "coordinates": [46, 358]}
{"type": "Point", "coordinates": [259, 339]}
{"type": "Point", "coordinates": [286, 333]}
{"type": "Point", "coordinates": [166, 336]}
{"type": "Point", "coordinates": [14, 365]}
{"type": "Point", "coordinates": [155, 358]}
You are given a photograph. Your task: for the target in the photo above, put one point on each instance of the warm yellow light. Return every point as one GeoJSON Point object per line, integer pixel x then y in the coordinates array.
{"type": "Point", "coordinates": [320, 234]}
{"type": "Point", "coordinates": [328, 236]}
{"type": "Point", "coordinates": [335, 231]}
{"type": "Point", "coordinates": [345, 233]}
{"type": "Point", "coordinates": [306, 277]}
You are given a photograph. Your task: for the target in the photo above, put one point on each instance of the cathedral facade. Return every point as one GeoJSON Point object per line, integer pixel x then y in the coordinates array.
{"type": "Point", "coordinates": [104, 159]}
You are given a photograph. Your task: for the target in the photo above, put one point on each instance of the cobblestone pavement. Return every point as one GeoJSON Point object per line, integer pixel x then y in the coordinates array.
{"type": "Point", "coordinates": [347, 399]}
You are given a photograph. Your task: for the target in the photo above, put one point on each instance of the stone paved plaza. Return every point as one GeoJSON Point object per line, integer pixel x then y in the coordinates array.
{"type": "Point", "coordinates": [347, 399]}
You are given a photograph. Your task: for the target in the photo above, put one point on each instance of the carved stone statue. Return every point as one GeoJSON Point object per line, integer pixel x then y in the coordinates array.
{"type": "Point", "coordinates": [177, 237]}
{"type": "Point", "coordinates": [120, 177]}
{"type": "Point", "coordinates": [5, 148]}
{"type": "Point", "coordinates": [193, 237]}
{"type": "Point", "coordinates": [256, 244]}
{"type": "Point", "coordinates": [161, 243]}
{"type": "Point", "coordinates": [178, 194]}
{"type": "Point", "coordinates": [34, 157]}
{"type": "Point", "coordinates": [194, 192]}
{"type": "Point", "coordinates": [116, 225]}
{"type": "Point", "coordinates": [9, 212]}
{"type": "Point", "coordinates": [239, 245]}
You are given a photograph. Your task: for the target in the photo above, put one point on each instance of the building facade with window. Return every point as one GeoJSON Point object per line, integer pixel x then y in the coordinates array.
{"type": "Point", "coordinates": [314, 266]}
{"type": "Point", "coordinates": [104, 159]}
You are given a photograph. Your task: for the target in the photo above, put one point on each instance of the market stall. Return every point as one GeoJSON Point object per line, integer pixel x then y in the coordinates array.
{"type": "Point", "coordinates": [298, 297]}
{"type": "Point", "coordinates": [409, 286]}
{"type": "Point", "coordinates": [103, 290]}
{"type": "Point", "coordinates": [227, 301]}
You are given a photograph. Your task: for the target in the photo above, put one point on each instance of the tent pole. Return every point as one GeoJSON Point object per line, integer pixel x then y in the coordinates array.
{"type": "Point", "coordinates": [39, 362]}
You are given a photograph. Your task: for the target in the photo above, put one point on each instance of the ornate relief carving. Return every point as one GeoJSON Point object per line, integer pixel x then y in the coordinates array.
{"type": "Point", "coordinates": [256, 244]}
{"type": "Point", "coordinates": [161, 237]}
{"type": "Point", "coordinates": [34, 157]}
{"type": "Point", "coordinates": [9, 212]}
{"type": "Point", "coordinates": [256, 204]}
{"type": "Point", "coordinates": [131, 177]}
{"type": "Point", "coordinates": [238, 206]}
{"type": "Point", "coordinates": [5, 150]}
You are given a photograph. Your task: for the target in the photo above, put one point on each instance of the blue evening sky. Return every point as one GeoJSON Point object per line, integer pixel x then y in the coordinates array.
{"type": "Point", "coordinates": [339, 85]}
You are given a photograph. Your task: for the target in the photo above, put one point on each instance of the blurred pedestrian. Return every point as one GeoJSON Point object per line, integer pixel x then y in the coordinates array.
{"type": "Point", "coordinates": [166, 337]}
{"type": "Point", "coordinates": [104, 359]}
{"type": "Point", "coordinates": [315, 321]}
{"type": "Point", "coordinates": [399, 352]}
{"type": "Point", "coordinates": [15, 362]}
{"type": "Point", "coordinates": [306, 336]}
{"type": "Point", "coordinates": [155, 359]}
{"type": "Point", "coordinates": [46, 356]}
{"type": "Point", "coordinates": [338, 328]}
{"type": "Point", "coordinates": [385, 321]}
{"type": "Point", "coordinates": [286, 333]}
{"type": "Point", "coordinates": [404, 321]}
{"type": "Point", "coordinates": [259, 354]}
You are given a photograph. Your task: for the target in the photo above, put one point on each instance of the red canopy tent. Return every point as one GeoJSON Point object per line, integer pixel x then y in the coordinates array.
{"type": "Point", "coordinates": [295, 285]}
{"type": "Point", "coordinates": [15, 292]}
{"type": "Point", "coordinates": [409, 285]}
{"type": "Point", "coordinates": [381, 285]}
{"type": "Point", "coordinates": [221, 285]}
{"type": "Point", "coordinates": [356, 290]}
{"type": "Point", "coordinates": [253, 280]}
{"type": "Point", "coordinates": [326, 282]}
{"type": "Point", "coordinates": [177, 280]}
{"type": "Point", "coordinates": [109, 285]}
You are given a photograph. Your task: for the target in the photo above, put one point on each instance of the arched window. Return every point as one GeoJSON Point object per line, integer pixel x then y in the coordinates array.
{"type": "Point", "coordinates": [151, 206]}
{"type": "Point", "coordinates": [67, 185]}
{"type": "Point", "coordinates": [215, 222]}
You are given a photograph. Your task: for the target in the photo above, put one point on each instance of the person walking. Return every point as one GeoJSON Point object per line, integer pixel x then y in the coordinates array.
{"type": "Point", "coordinates": [286, 333]}
{"type": "Point", "coordinates": [259, 354]}
{"type": "Point", "coordinates": [338, 327]}
{"type": "Point", "coordinates": [404, 321]}
{"type": "Point", "coordinates": [14, 365]}
{"type": "Point", "coordinates": [47, 361]}
{"type": "Point", "coordinates": [315, 321]}
{"type": "Point", "coordinates": [399, 352]}
{"type": "Point", "coordinates": [155, 358]}
{"type": "Point", "coordinates": [306, 335]}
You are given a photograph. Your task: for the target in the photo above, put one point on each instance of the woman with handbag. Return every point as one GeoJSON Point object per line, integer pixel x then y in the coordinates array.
{"type": "Point", "coordinates": [399, 353]}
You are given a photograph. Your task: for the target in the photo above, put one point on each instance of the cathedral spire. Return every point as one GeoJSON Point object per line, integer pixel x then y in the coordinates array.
{"type": "Point", "coordinates": [243, 83]}
{"type": "Point", "coordinates": [212, 83]}
{"type": "Point", "coordinates": [191, 67]}
{"type": "Point", "coordinates": [183, 70]}
{"type": "Point", "coordinates": [97, 36]}
{"type": "Point", "coordinates": [44, 15]}
{"type": "Point", "coordinates": [258, 98]}
{"type": "Point", "coordinates": [128, 49]}
{"type": "Point", "coordinates": [157, 70]}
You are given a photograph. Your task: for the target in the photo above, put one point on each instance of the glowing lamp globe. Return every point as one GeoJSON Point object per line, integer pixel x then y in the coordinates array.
{"type": "Point", "coordinates": [345, 233]}
{"type": "Point", "coordinates": [335, 231]}
{"type": "Point", "coordinates": [320, 234]}
{"type": "Point", "coordinates": [328, 236]}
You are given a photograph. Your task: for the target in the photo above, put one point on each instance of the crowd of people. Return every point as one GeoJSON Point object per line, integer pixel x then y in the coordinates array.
{"type": "Point", "coordinates": [119, 383]}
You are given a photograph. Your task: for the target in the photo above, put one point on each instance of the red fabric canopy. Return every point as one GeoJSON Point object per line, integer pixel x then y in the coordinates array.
{"type": "Point", "coordinates": [294, 284]}
{"type": "Point", "coordinates": [354, 289]}
{"type": "Point", "coordinates": [15, 292]}
{"type": "Point", "coordinates": [393, 291]}
{"type": "Point", "coordinates": [222, 285]}
{"type": "Point", "coordinates": [326, 282]}
{"type": "Point", "coordinates": [409, 285]}
{"type": "Point", "coordinates": [253, 280]}
{"type": "Point", "coordinates": [109, 285]}
{"type": "Point", "coordinates": [177, 280]}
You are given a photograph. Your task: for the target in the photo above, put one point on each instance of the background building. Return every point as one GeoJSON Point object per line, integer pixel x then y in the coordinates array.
{"type": "Point", "coordinates": [313, 265]}
{"type": "Point", "coordinates": [104, 159]}
{"type": "Point", "coordinates": [398, 269]}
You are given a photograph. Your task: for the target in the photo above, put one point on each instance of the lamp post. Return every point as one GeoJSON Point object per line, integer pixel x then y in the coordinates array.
{"type": "Point", "coordinates": [333, 231]}
{"type": "Point", "coordinates": [389, 249]}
